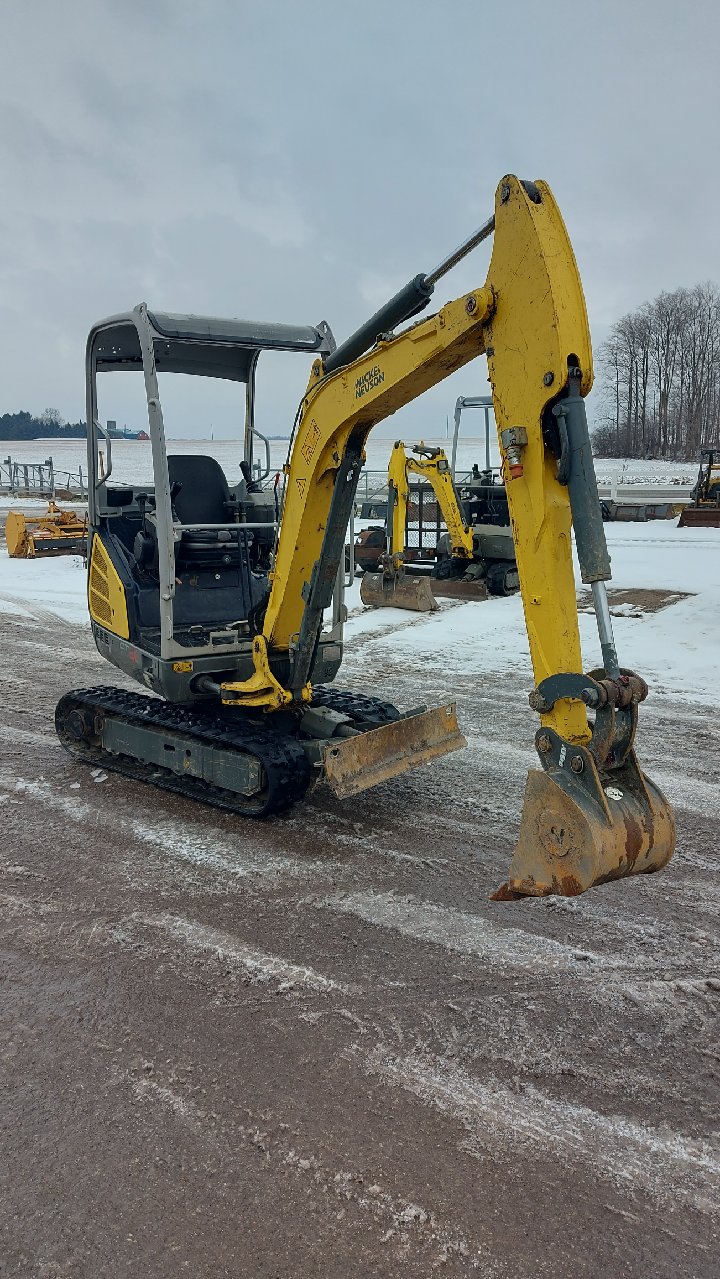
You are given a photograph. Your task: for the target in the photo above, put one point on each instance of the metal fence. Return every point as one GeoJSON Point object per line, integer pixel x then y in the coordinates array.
{"type": "Point", "coordinates": [373, 487]}
{"type": "Point", "coordinates": [40, 479]}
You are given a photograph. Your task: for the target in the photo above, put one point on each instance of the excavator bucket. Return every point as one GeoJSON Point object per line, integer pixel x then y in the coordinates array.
{"type": "Point", "coordinates": [57, 532]}
{"type": "Point", "coordinates": [398, 591]}
{"type": "Point", "coordinates": [700, 517]}
{"type": "Point", "coordinates": [459, 589]}
{"type": "Point", "coordinates": [580, 829]}
{"type": "Point", "coordinates": [354, 764]}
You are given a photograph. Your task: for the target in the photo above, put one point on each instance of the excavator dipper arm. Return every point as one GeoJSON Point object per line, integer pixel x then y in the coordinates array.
{"type": "Point", "coordinates": [589, 814]}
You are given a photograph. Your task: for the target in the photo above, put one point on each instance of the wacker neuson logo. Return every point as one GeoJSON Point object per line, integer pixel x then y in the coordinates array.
{"type": "Point", "coordinates": [372, 378]}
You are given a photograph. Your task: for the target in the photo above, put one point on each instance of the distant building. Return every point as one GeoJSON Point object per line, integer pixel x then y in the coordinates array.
{"type": "Point", "coordinates": [125, 434]}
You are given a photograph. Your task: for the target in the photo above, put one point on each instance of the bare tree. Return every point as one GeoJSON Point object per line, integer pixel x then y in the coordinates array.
{"type": "Point", "coordinates": [660, 370]}
{"type": "Point", "coordinates": [51, 417]}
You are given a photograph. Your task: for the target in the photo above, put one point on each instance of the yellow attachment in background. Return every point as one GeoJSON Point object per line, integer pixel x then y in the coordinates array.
{"type": "Point", "coordinates": [16, 536]}
{"type": "Point", "coordinates": [436, 470]}
{"type": "Point", "coordinates": [55, 532]}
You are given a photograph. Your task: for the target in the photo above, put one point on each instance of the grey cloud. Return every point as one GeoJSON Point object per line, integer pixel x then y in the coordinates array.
{"type": "Point", "coordinates": [293, 163]}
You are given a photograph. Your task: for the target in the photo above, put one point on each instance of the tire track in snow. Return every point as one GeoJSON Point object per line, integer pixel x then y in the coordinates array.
{"type": "Point", "coordinates": [204, 846]}
{"type": "Point", "coordinates": [455, 930]}
{"type": "Point", "coordinates": [259, 966]}
{"type": "Point", "coordinates": [406, 1225]}
{"type": "Point", "coordinates": [55, 651]}
{"type": "Point", "coordinates": [626, 970]}
{"type": "Point", "coordinates": [28, 736]}
{"type": "Point", "coordinates": [661, 1163]}
{"type": "Point", "coordinates": [30, 611]}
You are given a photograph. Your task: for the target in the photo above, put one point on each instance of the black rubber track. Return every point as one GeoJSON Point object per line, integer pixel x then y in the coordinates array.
{"type": "Point", "coordinates": [365, 711]}
{"type": "Point", "coordinates": [287, 772]}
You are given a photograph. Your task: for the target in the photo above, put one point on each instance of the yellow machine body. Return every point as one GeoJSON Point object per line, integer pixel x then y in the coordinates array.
{"type": "Point", "coordinates": [106, 595]}
{"type": "Point", "coordinates": [590, 815]}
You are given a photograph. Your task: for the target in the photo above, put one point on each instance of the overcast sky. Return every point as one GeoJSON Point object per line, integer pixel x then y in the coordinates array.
{"type": "Point", "coordinates": [297, 162]}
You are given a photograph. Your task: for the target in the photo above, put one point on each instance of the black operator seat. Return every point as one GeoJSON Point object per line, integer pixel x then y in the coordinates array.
{"type": "Point", "coordinates": [202, 497]}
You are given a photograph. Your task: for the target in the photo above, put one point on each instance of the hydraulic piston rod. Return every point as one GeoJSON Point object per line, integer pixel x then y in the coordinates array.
{"type": "Point", "coordinates": [575, 469]}
{"type": "Point", "coordinates": [605, 630]}
{"type": "Point", "coordinates": [410, 300]}
{"type": "Point", "coordinates": [460, 252]}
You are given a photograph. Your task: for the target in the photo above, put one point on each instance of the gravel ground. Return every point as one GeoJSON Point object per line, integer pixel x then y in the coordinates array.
{"type": "Point", "coordinates": [313, 1047]}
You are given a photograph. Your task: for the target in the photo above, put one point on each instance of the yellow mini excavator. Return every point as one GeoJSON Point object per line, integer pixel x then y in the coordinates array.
{"type": "Point", "coordinates": [472, 559]}
{"type": "Point", "coordinates": [225, 599]}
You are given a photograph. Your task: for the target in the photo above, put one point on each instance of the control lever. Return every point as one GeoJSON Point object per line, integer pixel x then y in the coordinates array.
{"type": "Point", "coordinates": [252, 485]}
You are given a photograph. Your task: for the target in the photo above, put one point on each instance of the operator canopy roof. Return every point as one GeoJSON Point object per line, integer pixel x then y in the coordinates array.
{"type": "Point", "coordinates": [205, 345]}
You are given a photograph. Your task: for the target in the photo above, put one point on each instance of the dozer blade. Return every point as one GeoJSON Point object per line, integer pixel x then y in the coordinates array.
{"type": "Point", "coordinates": [579, 830]}
{"type": "Point", "coordinates": [43, 544]}
{"type": "Point", "coordinates": [353, 764]}
{"type": "Point", "coordinates": [415, 593]}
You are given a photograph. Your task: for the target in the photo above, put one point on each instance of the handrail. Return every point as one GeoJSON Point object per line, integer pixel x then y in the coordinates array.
{"type": "Point", "coordinates": [266, 442]}
{"type": "Point", "coordinates": [108, 440]}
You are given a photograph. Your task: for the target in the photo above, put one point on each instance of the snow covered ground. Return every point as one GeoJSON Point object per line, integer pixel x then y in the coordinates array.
{"type": "Point", "coordinates": [53, 585]}
{"type": "Point", "coordinates": [675, 648]}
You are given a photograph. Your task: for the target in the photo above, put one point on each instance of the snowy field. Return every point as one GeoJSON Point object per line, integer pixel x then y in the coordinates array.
{"type": "Point", "coordinates": [675, 648]}
{"type": "Point", "coordinates": [132, 462]}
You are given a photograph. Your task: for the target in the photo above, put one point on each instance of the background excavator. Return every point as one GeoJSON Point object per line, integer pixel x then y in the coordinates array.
{"type": "Point", "coordinates": [704, 509]}
{"type": "Point", "coordinates": [475, 555]}
{"type": "Point", "coordinates": [217, 600]}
